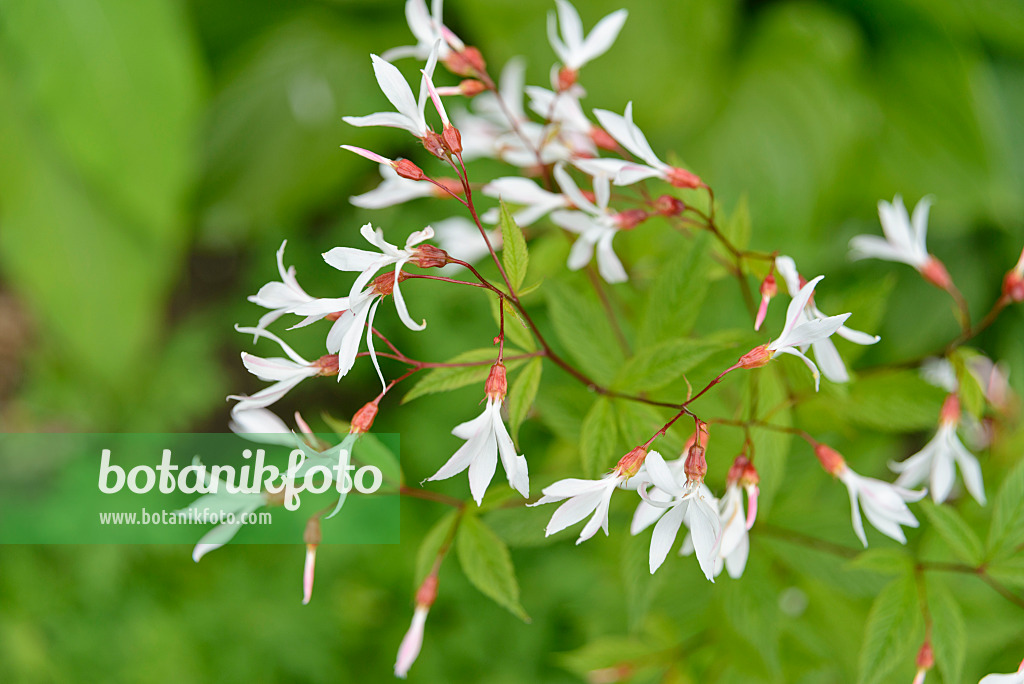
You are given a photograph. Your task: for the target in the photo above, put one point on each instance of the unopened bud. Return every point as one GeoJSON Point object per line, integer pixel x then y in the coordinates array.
{"type": "Point", "coordinates": [566, 78]}
{"type": "Point", "coordinates": [427, 593]}
{"type": "Point", "coordinates": [384, 284]}
{"type": "Point", "coordinates": [768, 289]}
{"type": "Point", "coordinates": [428, 256]}
{"type": "Point", "coordinates": [926, 657]}
{"type": "Point", "coordinates": [466, 62]}
{"type": "Point", "coordinates": [406, 169]}
{"type": "Point", "coordinates": [362, 421]}
{"type": "Point", "coordinates": [681, 178]}
{"type": "Point", "coordinates": [471, 87]}
{"type": "Point", "coordinates": [935, 273]}
{"type": "Point", "coordinates": [452, 139]}
{"type": "Point", "coordinates": [629, 465]}
{"type": "Point", "coordinates": [830, 459]}
{"type": "Point", "coordinates": [950, 413]}
{"type": "Point", "coordinates": [312, 539]}
{"type": "Point", "coordinates": [496, 386]}
{"type": "Point", "coordinates": [1013, 283]}
{"type": "Point", "coordinates": [695, 466]}
{"type": "Point", "coordinates": [667, 205]}
{"type": "Point", "coordinates": [631, 218]}
{"type": "Point", "coordinates": [755, 358]}
{"type": "Point", "coordinates": [327, 365]}
{"type": "Point", "coordinates": [602, 139]}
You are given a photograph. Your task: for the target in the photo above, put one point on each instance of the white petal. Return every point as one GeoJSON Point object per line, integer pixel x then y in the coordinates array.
{"type": "Point", "coordinates": [602, 36]}
{"type": "Point", "coordinates": [571, 25]}
{"type": "Point", "coordinates": [482, 467]}
{"type": "Point", "coordinates": [389, 119]}
{"type": "Point", "coordinates": [572, 511]}
{"type": "Point", "coordinates": [661, 475]}
{"type": "Point", "coordinates": [831, 364]}
{"type": "Point", "coordinates": [608, 264]}
{"type": "Point", "coordinates": [395, 87]}
{"type": "Point", "coordinates": [736, 561]}
{"type": "Point", "coordinates": [664, 535]}
{"type": "Point", "coordinates": [943, 474]}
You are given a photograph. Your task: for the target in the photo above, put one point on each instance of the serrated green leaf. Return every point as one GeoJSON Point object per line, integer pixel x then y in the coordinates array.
{"type": "Point", "coordinates": [488, 565]}
{"type": "Point", "coordinates": [949, 633]}
{"type": "Point", "coordinates": [521, 395]}
{"type": "Point", "coordinates": [655, 367]}
{"type": "Point", "coordinates": [891, 631]}
{"type": "Point", "coordinates": [677, 294]}
{"type": "Point", "coordinates": [598, 438]}
{"type": "Point", "coordinates": [445, 379]}
{"type": "Point", "coordinates": [883, 562]}
{"type": "Point", "coordinates": [583, 329]}
{"type": "Point", "coordinates": [514, 255]}
{"type": "Point", "coordinates": [955, 531]}
{"type": "Point", "coordinates": [431, 545]}
{"type": "Point", "coordinates": [516, 330]}
{"type": "Point", "coordinates": [1007, 528]}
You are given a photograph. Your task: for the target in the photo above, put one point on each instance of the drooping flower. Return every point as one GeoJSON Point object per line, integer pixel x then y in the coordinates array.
{"type": "Point", "coordinates": [935, 462]}
{"type": "Point", "coordinates": [572, 49]}
{"type": "Point", "coordinates": [586, 497]}
{"type": "Point", "coordinates": [409, 112]}
{"type": "Point", "coordinates": [311, 537]}
{"type": "Point", "coordinates": [285, 295]}
{"type": "Point", "coordinates": [798, 332]}
{"type": "Point", "coordinates": [596, 226]}
{"type": "Point", "coordinates": [904, 240]}
{"type": "Point", "coordinates": [885, 505]}
{"type": "Point", "coordinates": [735, 545]}
{"type": "Point", "coordinates": [825, 352]}
{"type": "Point", "coordinates": [487, 439]}
{"type": "Point", "coordinates": [412, 642]}
{"type": "Point", "coordinates": [429, 30]}
{"type": "Point", "coordinates": [285, 373]}
{"type": "Point", "coordinates": [536, 201]}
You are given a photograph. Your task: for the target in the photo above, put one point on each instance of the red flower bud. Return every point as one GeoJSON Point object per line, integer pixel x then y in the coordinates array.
{"type": "Point", "coordinates": [629, 465]}
{"type": "Point", "coordinates": [695, 466]}
{"type": "Point", "coordinates": [406, 169]}
{"type": "Point", "coordinates": [935, 273]}
{"type": "Point", "coordinates": [755, 358]}
{"type": "Point", "coordinates": [496, 386]}
{"type": "Point", "coordinates": [427, 593]}
{"type": "Point", "coordinates": [631, 218]}
{"type": "Point", "coordinates": [681, 178]}
{"type": "Point", "coordinates": [471, 87]}
{"type": "Point", "coordinates": [602, 139]}
{"type": "Point", "coordinates": [362, 421]}
{"type": "Point", "coordinates": [384, 284]}
{"type": "Point", "coordinates": [830, 459]}
{"type": "Point", "coordinates": [950, 413]}
{"type": "Point", "coordinates": [452, 139]}
{"type": "Point", "coordinates": [667, 205]}
{"type": "Point", "coordinates": [327, 364]}
{"type": "Point", "coordinates": [566, 78]}
{"type": "Point", "coordinates": [1013, 283]}
{"type": "Point", "coordinates": [467, 62]}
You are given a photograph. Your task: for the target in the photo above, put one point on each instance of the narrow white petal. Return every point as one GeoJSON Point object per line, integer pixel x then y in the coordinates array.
{"type": "Point", "coordinates": [602, 36]}
{"type": "Point", "coordinates": [664, 535]}
{"type": "Point", "coordinates": [395, 87]}
{"type": "Point", "coordinates": [831, 364]}
{"type": "Point", "coordinates": [943, 474]}
{"type": "Point", "coordinates": [608, 264]}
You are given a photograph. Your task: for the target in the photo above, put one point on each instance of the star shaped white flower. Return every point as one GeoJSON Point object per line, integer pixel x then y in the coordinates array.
{"type": "Point", "coordinates": [409, 111]}
{"type": "Point", "coordinates": [536, 201]}
{"type": "Point", "coordinates": [596, 226]}
{"type": "Point", "coordinates": [825, 353]}
{"type": "Point", "coordinates": [285, 373]}
{"type": "Point", "coordinates": [286, 296]}
{"type": "Point", "coordinates": [935, 462]}
{"type": "Point", "coordinates": [570, 125]}
{"type": "Point", "coordinates": [428, 28]}
{"type": "Point", "coordinates": [572, 49]}
{"type": "Point", "coordinates": [904, 241]}
{"type": "Point", "coordinates": [487, 439]}
{"type": "Point", "coordinates": [624, 172]}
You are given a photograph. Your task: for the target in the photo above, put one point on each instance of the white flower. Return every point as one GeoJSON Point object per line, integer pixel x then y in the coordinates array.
{"type": "Point", "coordinates": [596, 226]}
{"type": "Point", "coordinates": [487, 438]}
{"type": "Point", "coordinates": [572, 48]}
{"type": "Point", "coordinates": [285, 373]}
{"type": "Point", "coordinates": [287, 296]}
{"type": "Point", "coordinates": [935, 462]}
{"type": "Point", "coordinates": [409, 111]}
{"type": "Point", "coordinates": [563, 109]}
{"type": "Point", "coordinates": [735, 546]}
{"type": "Point", "coordinates": [583, 498]}
{"type": "Point", "coordinates": [623, 172]}
{"type": "Point", "coordinates": [367, 263]}
{"type": "Point", "coordinates": [393, 190]}
{"type": "Point", "coordinates": [428, 28]}
{"type": "Point", "coordinates": [1014, 678]}
{"type": "Point", "coordinates": [884, 505]}
{"type": "Point", "coordinates": [510, 87]}
{"type": "Point", "coordinates": [517, 190]}
{"type": "Point", "coordinates": [904, 236]}
{"type": "Point", "coordinates": [692, 502]}
{"type": "Point", "coordinates": [825, 352]}
{"type": "Point", "coordinates": [459, 237]}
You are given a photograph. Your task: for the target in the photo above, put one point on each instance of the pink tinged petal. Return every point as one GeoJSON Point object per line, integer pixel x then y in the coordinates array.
{"type": "Point", "coordinates": [436, 99]}
{"type": "Point", "coordinates": [412, 642]}
{"type": "Point", "coordinates": [608, 264]}
{"type": "Point", "coordinates": [664, 535]}
{"type": "Point", "coordinates": [602, 36]}
{"type": "Point", "coordinates": [661, 475]}
{"type": "Point", "coordinates": [752, 492]}
{"type": "Point", "coordinates": [372, 156]}
{"type": "Point", "coordinates": [705, 528]}
{"type": "Point", "coordinates": [831, 364]}
{"type": "Point", "coordinates": [762, 311]}
{"type": "Point", "coordinates": [307, 576]}
{"type": "Point", "coordinates": [389, 119]}
{"type": "Point", "coordinates": [572, 511]}
{"type": "Point", "coordinates": [736, 561]}
{"type": "Point", "coordinates": [943, 473]}
{"type": "Point", "coordinates": [427, 75]}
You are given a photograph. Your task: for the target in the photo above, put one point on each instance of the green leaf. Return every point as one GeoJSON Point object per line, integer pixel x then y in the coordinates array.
{"type": "Point", "coordinates": [609, 652]}
{"type": "Point", "coordinates": [598, 438]}
{"type": "Point", "coordinates": [521, 395]}
{"type": "Point", "coordinates": [486, 561]}
{"type": "Point", "coordinates": [883, 562]}
{"type": "Point", "coordinates": [955, 531]}
{"type": "Point", "coordinates": [949, 633]}
{"type": "Point", "coordinates": [521, 525]}
{"type": "Point", "coordinates": [892, 402]}
{"type": "Point", "coordinates": [1007, 530]}
{"type": "Point", "coordinates": [675, 297]}
{"type": "Point", "coordinates": [431, 545]}
{"type": "Point", "coordinates": [516, 330]}
{"type": "Point", "coordinates": [655, 367]}
{"type": "Point", "coordinates": [1009, 571]}
{"type": "Point", "coordinates": [891, 631]}
{"type": "Point", "coordinates": [582, 327]}
{"type": "Point", "coordinates": [737, 227]}
{"type": "Point", "coordinates": [514, 255]}
{"type": "Point", "coordinates": [445, 379]}
{"type": "Point", "coordinates": [970, 393]}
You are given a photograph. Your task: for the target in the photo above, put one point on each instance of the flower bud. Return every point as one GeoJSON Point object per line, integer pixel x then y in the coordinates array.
{"type": "Point", "coordinates": [428, 256]}
{"type": "Point", "coordinates": [830, 459]}
{"type": "Point", "coordinates": [769, 288]}
{"type": "Point", "coordinates": [1013, 283]}
{"type": "Point", "coordinates": [496, 386]}
{"type": "Point", "coordinates": [950, 413]}
{"type": "Point", "coordinates": [362, 421]}
{"type": "Point", "coordinates": [681, 178]}
{"type": "Point", "coordinates": [435, 145]}
{"type": "Point", "coordinates": [935, 273]}
{"type": "Point", "coordinates": [755, 358]}
{"type": "Point", "coordinates": [452, 139]}
{"type": "Point", "coordinates": [466, 62]}
{"type": "Point", "coordinates": [471, 87]}
{"type": "Point", "coordinates": [629, 465]}
{"type": "Point", "coordinates": [602, 139]}
{"type": "Point", "coordinates": [407, 169]}
{"type": "Point", "coordinates": [695, 466]}
{"type": "Point", "coordinates": [631, 218]}
{"type": "Point", "coordinates": [427, 593]}
{"type": "Point", "coordinates": [667, 205]}
{"type": "Point", "coordinates": [327, 365]}
{"type": "Point", "coordinates": [312, 539]}
{"type": "Point", "coordinates": [566, 78]}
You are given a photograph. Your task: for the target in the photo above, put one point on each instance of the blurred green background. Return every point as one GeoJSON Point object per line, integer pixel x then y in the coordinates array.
{"type": "Point", "coordinates": [153, 156]}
